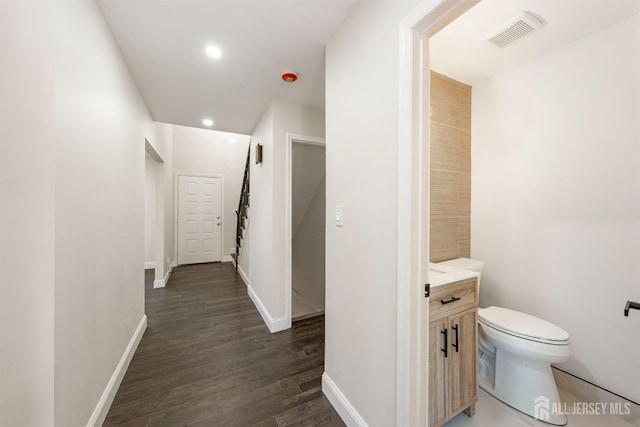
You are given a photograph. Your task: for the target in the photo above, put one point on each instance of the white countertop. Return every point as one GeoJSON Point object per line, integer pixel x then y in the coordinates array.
{"type": "Point", "coordinates": [441, 274]}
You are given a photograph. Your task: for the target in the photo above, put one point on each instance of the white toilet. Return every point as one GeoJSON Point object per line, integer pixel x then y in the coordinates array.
{"type": "Point", "coordinates": [515, 355]}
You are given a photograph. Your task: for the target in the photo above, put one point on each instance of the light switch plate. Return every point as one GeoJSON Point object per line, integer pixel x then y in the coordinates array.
{"type": "Point", "coordinates": [339, 215]}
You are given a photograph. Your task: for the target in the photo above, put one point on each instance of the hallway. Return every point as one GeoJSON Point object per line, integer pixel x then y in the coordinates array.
{"type": "Point", "coordinates": [207, 359]}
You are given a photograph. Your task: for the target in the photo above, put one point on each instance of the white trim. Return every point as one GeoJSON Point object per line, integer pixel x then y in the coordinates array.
{"type": "Point", "coordinates": [148, 265]}
{"type": "Point", "coordinates": [104, 404]}
{"type": "Point", "coordinates": [175, 217]}
{"type": "Point", "coordinates": [413, 204]}
{"type": "Point", "coordinates": [169, 271]}
{"type": "Point", "coordinates": [407, 362]}
{"type": "Point", "coordinates": [227, 258]}
{"type": "Point", "coordinates": [274, 325]}
{"type": "Point", "coordinates": [243, 275]}
{"type": "Point", "coordinates": [161, 283]}
{"type": "Point", "coordinates": [176, 212]}
{"type": "Point", "coordinates": [303, 139]}
{"type": "Point", "coordinates": [340, 403]}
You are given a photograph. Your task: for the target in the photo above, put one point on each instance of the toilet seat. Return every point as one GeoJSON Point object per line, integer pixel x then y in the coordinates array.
{"type": "Point", "coordinates": [522, 325]}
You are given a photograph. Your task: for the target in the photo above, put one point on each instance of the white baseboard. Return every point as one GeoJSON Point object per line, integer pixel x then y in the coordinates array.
{"type": "Point", "coordinates": [227, 258]}
{"type": "Point", "coordinates": [149, 265]}
{"type": "Point", "coordinates": [274, 325]}
{"type": "Point", "coordinates": [161, 283]}
{"type": "Point", "coordinates": [102, 408]}
{"type": "Point", "coordinates": [340, 403]}
{"type": "Point", "coordinates": [243, 275]}
{"type": "Point", "coordinates": [167, 275]}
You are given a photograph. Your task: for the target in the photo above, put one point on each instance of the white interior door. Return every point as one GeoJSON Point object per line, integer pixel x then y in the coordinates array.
{"type": "Point", "coordinates": [199, 219]}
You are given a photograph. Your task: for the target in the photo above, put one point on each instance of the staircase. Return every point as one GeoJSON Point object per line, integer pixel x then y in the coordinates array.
{"type": "Point", "coordinates": [242, 212]}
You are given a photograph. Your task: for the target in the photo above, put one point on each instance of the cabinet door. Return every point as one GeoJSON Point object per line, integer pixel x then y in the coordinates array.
{"type": "Point", "coordinates": [462, 361]}
{"type": "Point", "coordinates": [438, 372]}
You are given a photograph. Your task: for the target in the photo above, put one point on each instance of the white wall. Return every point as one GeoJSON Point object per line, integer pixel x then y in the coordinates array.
{"type": "Point", "coordinates": [362, 97]}
{"type": "Point", "coordinates": [308, 222]}
{"type": "Point", "coordinates": [288, 118]}
{"type": "Point", "coordinates": [308, 170]}
{"type": "Point", "coordinates": [261, 209]}
{"type": "Point", "coordinates": [268, 186]}
{"type": "Point", "coordinates": [202, 151]}
{"type": "Point", "coordinates": [556, 197]}
{"type": "Point", "coordinates": [27, 235]}
{"type": "Point", "coordinates": [163, 145]}
{"type": "Point", "coordinates": [101, 126]}
{"type": "Point", "coordinates": [159, 200]}
{"type": "Point", "coordinates": [149, 209]}
{"type": "Point", "coordinates": [73, 136]}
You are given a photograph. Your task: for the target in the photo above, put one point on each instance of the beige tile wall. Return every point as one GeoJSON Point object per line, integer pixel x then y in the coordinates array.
{"type": "Point", "coordinates": [450, 169]}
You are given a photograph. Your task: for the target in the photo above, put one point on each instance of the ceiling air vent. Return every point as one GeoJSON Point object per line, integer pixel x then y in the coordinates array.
{"type": "Point", "coordinates": [520, 27]}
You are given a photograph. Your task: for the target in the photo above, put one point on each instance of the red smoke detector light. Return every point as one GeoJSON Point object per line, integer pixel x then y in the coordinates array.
{"type": "Point", "coordinates": [289, 76]}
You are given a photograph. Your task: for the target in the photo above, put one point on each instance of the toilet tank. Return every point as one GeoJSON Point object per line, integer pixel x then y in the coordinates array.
{"type": "Point", "coordinates": [465, 264]}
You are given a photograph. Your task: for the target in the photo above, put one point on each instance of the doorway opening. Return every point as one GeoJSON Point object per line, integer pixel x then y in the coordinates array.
{"type": "Point", "coordinates": [154, 217]}
{"type": "Point", "coordinates": [413, 204]}
{"type": "Point", "coordinates": [149, 221]}
{"type": "Point", "coordinates": [305, 226]}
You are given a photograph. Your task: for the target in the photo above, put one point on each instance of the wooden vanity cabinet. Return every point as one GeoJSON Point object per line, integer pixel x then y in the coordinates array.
{"type": "Point", "coordinates": [453, 315]}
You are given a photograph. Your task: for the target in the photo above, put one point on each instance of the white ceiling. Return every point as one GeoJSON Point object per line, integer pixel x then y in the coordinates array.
{"type": "Point", "coordinates": [461, 51]}
{"type": "Point", "coordinates": [164, 42]}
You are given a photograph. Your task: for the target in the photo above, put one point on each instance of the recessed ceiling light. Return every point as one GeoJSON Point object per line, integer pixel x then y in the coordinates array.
{"type": "Point", "coordinates": [207, 122]}
{"type": "Point", "coordinates": [233, 140]}
{"type": "Point", "coordinates": [214, 52]}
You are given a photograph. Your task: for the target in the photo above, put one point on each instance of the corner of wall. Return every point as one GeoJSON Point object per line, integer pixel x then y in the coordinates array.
{"type": "Point", "coordinates": [104, 404]}
{"type": "Point", "coordinates": [340, 403]}
{"type": "Point", "coordinates": [274, 324]}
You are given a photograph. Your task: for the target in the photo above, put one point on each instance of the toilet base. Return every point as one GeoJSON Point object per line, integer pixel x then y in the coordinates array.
{"type": "Point", "coordinates": [527, 386]}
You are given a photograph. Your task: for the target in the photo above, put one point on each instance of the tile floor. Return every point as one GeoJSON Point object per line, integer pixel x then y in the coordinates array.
{"type": "Point", "coordinates": [490, 412]}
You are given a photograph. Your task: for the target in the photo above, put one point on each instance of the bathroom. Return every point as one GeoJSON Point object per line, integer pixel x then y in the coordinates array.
{"type": "Point", "coordinates": [535, 160]}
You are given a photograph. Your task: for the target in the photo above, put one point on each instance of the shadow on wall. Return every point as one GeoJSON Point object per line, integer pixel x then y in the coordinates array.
{"type": "Point", "coordinates": [308, 228]}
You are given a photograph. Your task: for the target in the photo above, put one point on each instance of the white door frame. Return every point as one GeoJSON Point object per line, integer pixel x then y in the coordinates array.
{"type": "Point", "coordinates": [175, 211]}
{"type": "Point", "coordinates": [413, 204]}
{"type": "Point", "coordinates": [302, 139]}
{"type": "Point", "coordinates": [159, 165]}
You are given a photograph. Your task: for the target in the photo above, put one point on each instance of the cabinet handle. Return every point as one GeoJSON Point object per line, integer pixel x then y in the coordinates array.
{"type": "Point", "coordinates": [453, 299]}
{"type": "Point", "coordinates": [446, 346]}
{"type": "Point", "coordinates": [455, 328]}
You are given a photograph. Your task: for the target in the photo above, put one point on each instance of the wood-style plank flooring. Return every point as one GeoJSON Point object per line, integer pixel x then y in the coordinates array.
{"type": "Point", "coordinates": [207, 359]}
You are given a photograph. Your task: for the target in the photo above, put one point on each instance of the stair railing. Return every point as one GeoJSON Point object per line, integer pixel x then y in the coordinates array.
{"type": "Point", "coordinates": [243, 204]}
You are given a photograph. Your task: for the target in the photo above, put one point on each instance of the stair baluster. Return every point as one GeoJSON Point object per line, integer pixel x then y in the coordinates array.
{"type": "Point", "coordinates": [243, 204]}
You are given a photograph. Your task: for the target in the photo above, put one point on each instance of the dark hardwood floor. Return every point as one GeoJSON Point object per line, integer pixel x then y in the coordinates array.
{"type": "Point", "coordinates": [207, 359]}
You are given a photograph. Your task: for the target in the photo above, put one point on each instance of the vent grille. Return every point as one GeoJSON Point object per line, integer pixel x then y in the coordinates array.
{"type": "Point", "coordinates": [517, 29]}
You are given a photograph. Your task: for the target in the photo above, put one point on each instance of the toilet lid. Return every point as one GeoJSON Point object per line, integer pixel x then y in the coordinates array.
{"type": "Point", "coordinates": [522, 325]}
